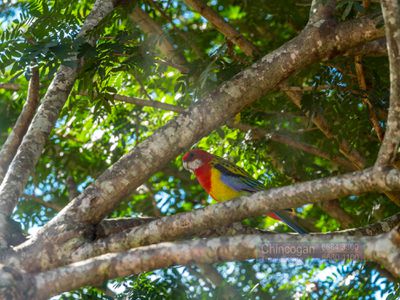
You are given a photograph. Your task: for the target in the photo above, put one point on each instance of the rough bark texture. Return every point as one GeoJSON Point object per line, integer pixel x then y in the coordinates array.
{"type": "Point", "coordinates": [34, 140]}
{"type": "Point", "coordinates": [186, 224]}
{"type": "Point", "coordinates": [96, 270]}
{"type": "Point", "coordinates": [132, 169]}
{"type": "Point", "coordinates": [384, 249]}
{"type": "Point", "coordinates": [322, 40]}
{"type": "Point", "coordinates": [70, 236]}
{"type": "Point", "coordinates": [14, 139]}
{"type": "Point", "coordinates": [390, 144]}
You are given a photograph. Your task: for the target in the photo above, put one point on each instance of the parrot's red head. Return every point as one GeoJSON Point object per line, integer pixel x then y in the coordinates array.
{"type": "Point", "coordinates": [195, 159]}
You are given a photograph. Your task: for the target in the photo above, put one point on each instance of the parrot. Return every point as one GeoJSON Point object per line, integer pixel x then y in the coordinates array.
{"type": "Point", "coordinates": [223, 181]}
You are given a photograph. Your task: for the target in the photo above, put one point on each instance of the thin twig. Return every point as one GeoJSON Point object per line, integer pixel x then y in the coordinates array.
{"type": "Point", "coordinates": [258, 133]}
{"type": "Point", "coordinates": [344, 147]}
{"type": "Point", "coordinates": [40, 201]}
{"type": "Point", "coordinates": [10, 86]}
{"type": "Point", "coordinates": [224, 27]}
{"type": "Point", "coordinates": [363, 86]}
{"type": "Point", "coordinates": [374, 48]}
{"type": "Point", "coordinates": [352, 155]}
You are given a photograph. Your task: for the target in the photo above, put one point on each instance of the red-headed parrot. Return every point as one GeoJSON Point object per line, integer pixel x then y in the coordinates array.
{"type": "Point", "coordinates": [223, 181]}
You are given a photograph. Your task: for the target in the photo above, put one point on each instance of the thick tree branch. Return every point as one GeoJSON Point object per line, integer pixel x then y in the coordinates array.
{"type": "Point", "coordinates": [382, 248]}
{"type": "Point", "coordinates": [188, 224]}
{"type": "Point", "coordinates": [313, 44]}
{"type": "Point", "coordinates": [224, 27]}
{"type": "Point", "coordinates": [380, 227]}
{"type": "Point", "coordinates": [41, 125]}
{"type": "Point", "coordinates": [111, 226]}
{"type": "Point", "coordinates": [107, 227]}
{"type": "Point", "coordinates": [389, 147]}
{"type": "Point", "coordinates": [14, 139]}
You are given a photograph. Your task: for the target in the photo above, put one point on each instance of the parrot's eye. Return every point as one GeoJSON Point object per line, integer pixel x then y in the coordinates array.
{"type": "Point", "coordinates": [191, 156]}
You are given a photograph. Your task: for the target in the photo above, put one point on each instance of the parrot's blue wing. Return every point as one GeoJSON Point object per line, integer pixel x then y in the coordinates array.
{"type": "Point", "coordinates": [237, 179]}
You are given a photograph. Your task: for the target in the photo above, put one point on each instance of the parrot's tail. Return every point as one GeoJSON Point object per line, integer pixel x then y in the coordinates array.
{"type": "Point", "coordinates": [285, 217]}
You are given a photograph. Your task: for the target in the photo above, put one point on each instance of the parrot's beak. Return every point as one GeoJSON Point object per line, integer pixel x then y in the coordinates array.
{"type": "Point", "coordinates": [192, 165]}
{"type": "Point", "coordinates": [186, 165]}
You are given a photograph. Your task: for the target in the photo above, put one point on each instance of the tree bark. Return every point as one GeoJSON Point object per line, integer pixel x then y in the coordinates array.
{"type": "Point", "coordinates": [34, 140]}
{"type": "Point", "coordinates": [14, 139]}
{"type": "Point", "coordinates": [382, 248]}
{"type": "Point", "coordinates": [390, 144]}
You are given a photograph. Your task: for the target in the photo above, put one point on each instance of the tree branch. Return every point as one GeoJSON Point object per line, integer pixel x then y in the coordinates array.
{"type": "Point", "coordinates": [258, 133]}
{"type": "Point", "coordinates": [40, 201]}
{"type": "Point", "coordinates": [224, 27]}
{"type": "Point", "coordinates": [14, 139]}
{"type": "Point", "coordinates": [229, 292]}
{"type": "Point", "coordinates": [334, 210]}
{"type": "Point", "coordinates": [188, 224]}
{"type": "Point", "coordinates": [363, 86]}
{"type": "Point", "coordinates": [344, 146]}
{"type": "Point", "coordinates": [149, 103]}
{"type": "Point", "coordinates": [34, 140]}
{"type": "Point", "coordinates": [389, 147]}
{"type": "Point", "coordinates": [374, 48]}
{"type": "Point", "coordinates": [352, 155]}
{"type": "Point", "coordinates": [10, 86]}
{"type": "Point", "coordinates": [108, 227]}
{"type": "Point", "coordinates": [380, 227]}
{"type": "Point", "coordinates": [382, 248]}
{"type": "Point", "coordinates": [167, 142]}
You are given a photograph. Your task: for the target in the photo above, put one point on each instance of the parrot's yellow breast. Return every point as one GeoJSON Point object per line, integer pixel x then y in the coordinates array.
{"type": "Point", "coordinates": [219, 190]}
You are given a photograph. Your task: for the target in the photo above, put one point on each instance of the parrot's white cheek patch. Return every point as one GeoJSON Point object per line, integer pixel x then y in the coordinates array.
{"type": "Point", "coordinates": [192, 165]}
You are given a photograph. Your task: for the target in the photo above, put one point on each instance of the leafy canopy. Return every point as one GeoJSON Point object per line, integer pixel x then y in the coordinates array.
{"type": "Point", "coordinates": [94, 130]}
